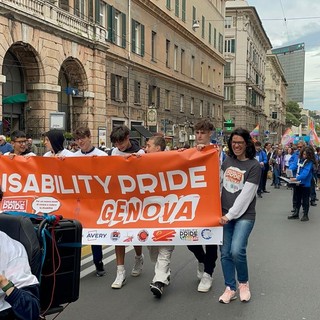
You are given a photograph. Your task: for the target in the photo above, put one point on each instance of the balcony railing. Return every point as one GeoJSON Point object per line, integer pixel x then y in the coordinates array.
{"type": "Point", "coordinates": [52, 15]}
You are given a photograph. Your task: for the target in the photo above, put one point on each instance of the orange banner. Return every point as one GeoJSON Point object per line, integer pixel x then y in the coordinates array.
{"type": "Point", "coordinates": [159, 198]}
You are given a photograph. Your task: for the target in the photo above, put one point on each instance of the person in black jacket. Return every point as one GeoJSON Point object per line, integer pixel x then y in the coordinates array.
{"type": "Point", "coordinates": [19, 288]}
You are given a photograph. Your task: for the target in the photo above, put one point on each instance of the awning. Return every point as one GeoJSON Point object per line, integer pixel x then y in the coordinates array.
{"type": "Point", "coordinates": [17, 98]}
{"type": "Point", "coordinates": [143, 131]}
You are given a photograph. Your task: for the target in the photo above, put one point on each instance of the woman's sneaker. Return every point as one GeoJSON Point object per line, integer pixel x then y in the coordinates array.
{"type": "Point", "coordinates": [244, 292]}
{"type": "Point", "coordinates": [228, 296]}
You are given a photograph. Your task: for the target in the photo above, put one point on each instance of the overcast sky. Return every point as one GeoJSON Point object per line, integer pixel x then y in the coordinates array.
{"type": "Point", "coordinates": [289, 22]}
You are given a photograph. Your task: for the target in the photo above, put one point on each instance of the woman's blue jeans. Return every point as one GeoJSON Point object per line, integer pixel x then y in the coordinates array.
{"type": "Point", "coordinates": [234, 251]}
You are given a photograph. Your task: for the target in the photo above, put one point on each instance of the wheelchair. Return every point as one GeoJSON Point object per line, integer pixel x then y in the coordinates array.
{"type": "Point", "coordinates": [54, 253]}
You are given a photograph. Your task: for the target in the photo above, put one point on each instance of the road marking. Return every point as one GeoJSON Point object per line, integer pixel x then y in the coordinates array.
{"type": "Point", "coordinates": [87, 259]}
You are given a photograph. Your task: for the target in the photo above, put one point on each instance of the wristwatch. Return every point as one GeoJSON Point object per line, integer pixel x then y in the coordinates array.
{"type": "Point", "coordinates": [8, 286]}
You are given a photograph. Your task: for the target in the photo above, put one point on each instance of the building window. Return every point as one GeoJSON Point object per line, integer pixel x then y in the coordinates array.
{"type": "Point", "coordinates": [227, 70]}
{"type": "Point", "coordinates": [183, 11]}
{"type": "Point", "coordinates": [103, 14]}
{"type": "Point", "coordinates": [153, 45]}
{"type": "Point", "coordinates": [192, 67]}
{"type": "Point", "coordinates": [137, 90]}
{"type": "Point", "coordinates": [209, 110]}
{"type": "Point", "coordinates": [210, 33]}
{"type": "Point", "coordinates": [118, 88]}
{"type": "Point", "coordinates": [192, 106]}
{"type": "Point", "coordinates": [176, 8]}
{"type": "Point", "coordinates": [209, 76]}
{"type": "Point", "coordinates": [201, 109]}
{"type": "Point", "coordinates": [154, 96]}
{"type": "Point", "coordinates": [215, 38]}
{"type": "Point", "coordinates": [194, 14]}
{"type": "Point", "coordinates": [228, 22]}
{"type": "Point", "coordinates": [175, 58]}
{"type": "Point", "coordinates": [182, 61]}
{"type": "Point", "coordinates": [181, 103]}
{"type": "Point", "coordinates": [220, 43]}
{"type": "Point", "coordinates": [201, 72]}
{"type": "Point", "coordinates": [167, 105]}
{"type": "Point", "coordinates": [137, 38]}
{"type": "Point", "coordinates": [116, 24]}
{"type": "Point", "coordinates": [168, 53]}
{"type": "Point", "coordinates": [203, 27]}
{"type": "Point", "coordinates": [274, 115]}
{"type": "Point", "coordinates": [229, 93]}
{"type": "Point", "coordinates": [229, 45]}
{"type": "Point", "coordinates": [168, 4]}
{"type": "Point", "coordinates": [79, 8]}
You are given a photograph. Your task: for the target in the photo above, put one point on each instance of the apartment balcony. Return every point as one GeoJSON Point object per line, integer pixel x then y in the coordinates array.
{"type": "Point", "coordinates": [44, 13]}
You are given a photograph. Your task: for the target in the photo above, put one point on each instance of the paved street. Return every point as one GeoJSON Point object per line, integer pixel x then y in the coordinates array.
{"type": "Point", "coordinates": [284, 262]}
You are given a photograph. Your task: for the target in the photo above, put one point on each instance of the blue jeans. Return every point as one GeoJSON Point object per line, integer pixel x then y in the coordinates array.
{"type": "Point", "coordinates": [234, 251]}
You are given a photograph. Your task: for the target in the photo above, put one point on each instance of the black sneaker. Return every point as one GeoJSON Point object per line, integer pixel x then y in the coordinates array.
{"type": "Point", "coordinates": [157, 288]}
{"type": "Point", "coordinates": [100, 272]}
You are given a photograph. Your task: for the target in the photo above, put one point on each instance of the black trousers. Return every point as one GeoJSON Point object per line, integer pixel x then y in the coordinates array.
{"type": "Point", "coordinates": [303, 194]}
{"type": "Point", "coordinates": [208, 256]}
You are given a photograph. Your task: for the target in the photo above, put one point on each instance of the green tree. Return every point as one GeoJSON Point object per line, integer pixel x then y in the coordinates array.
{"type": "Point", "coordinates": [293, 117]}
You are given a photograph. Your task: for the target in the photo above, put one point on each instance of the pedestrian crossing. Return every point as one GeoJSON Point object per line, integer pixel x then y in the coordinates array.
{"type": "Point", "coordinates": [87, 265]}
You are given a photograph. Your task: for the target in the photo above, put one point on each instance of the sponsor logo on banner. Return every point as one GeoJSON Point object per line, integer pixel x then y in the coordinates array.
{"type": "Point", "coordinates": [115, 235]}
{"type": "Point", "coordinates": [206, 234]}
{"type": "Point", "coordinates": [143, 235]}
{"type": "Point", "coordinates": [93, 235]}
{"type": "Point", "coordinates": [189, 235]}
{"type": "Point", "coordinates": [163, 235]}
{"type": "Point", "coordinates": [128, 238]}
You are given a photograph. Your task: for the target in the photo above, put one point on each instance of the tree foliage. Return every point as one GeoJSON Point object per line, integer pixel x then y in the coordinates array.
{"type": "Point", "coordinates": [293, 117]}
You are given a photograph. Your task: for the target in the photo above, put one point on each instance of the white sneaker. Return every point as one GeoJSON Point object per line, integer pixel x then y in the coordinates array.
{"type": "Point", "coordinates": [120, 280]}
{"type": "Point", "coordinates": [138, 265]}
{"type": "Point", "coordinates": [205, 283]}
{"type": "Point", "coordinates": [200, 270]}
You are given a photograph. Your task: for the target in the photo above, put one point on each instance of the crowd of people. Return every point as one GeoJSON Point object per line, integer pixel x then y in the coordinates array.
{"type": "Point", "coordinates": [242, 157]}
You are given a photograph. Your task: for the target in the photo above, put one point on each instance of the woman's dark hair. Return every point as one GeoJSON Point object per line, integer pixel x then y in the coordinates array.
{"type": "Point", "coordinates": [1, 194]}
{"type": "Point", "coordinates": [309, 154]}
{"type": "Point", "coordinates": [245, 134]}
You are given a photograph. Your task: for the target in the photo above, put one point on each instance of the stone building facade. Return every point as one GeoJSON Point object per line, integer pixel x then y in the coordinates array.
{"type": "Point", "coordinates": [276, 98]}
{"type": "Point", "coordinates": [246, 45]}
{"type": "Point", "coordinates": [104, 63]}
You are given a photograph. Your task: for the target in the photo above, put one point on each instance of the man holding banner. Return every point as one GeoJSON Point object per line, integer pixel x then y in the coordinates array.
{"type": "Point", "coordinates": [82, 136]}
{"type": "Point", "coordinates": [206, 258]}
{"type": "Point", "coordinates": [124, 147]}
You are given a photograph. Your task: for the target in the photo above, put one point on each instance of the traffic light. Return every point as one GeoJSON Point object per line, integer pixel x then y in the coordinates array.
{"type": "Point", "coordinates": [228, 125]}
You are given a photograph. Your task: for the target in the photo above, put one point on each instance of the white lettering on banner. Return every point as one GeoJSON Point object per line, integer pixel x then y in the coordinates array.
{"type": "Point", "coordinates": [167, 209]}
{"type": "Point", "coordinates": [170, 180]}
{"type": "Point", "coordinates": [141, 183]}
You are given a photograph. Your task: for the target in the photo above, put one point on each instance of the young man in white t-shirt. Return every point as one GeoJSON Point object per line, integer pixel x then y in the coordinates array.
{"type": "Point", "coordinates": [125, 147]}
{"type": "Point", "coordinates": [82, 137]}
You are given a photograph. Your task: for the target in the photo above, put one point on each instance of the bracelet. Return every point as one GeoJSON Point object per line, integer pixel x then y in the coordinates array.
{"type": "Point", "coordinates": [8, 286]}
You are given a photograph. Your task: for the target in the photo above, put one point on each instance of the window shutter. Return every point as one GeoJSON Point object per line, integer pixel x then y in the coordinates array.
{"type": "Point", "coordinates": [64, 5]}
{"type": "Point", "coordinates": [150, 96]}
{"type": "Point", "coordinates": [133, 36]}
{"type": "Point", "coordinates": [136, 91]}
{"type": "Point", "coordinates": [110, 23]}
{"type": "Point", "coordinates": [125, 89]}
{"type": "Point", "coordinates": [77, 8]}
{"type": "Point", "coordinates": [183, 14]}
{"type": "Point", "coordinates": [113, 86]}
{"type": "Point", "coordinates": [97, 11]}
{"type": "Point", "coordinates": [142, 40]}
{"type": "Point", "coordinates": [158, 98]}
{"type": "Point", "coordinates": [124, 31]}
